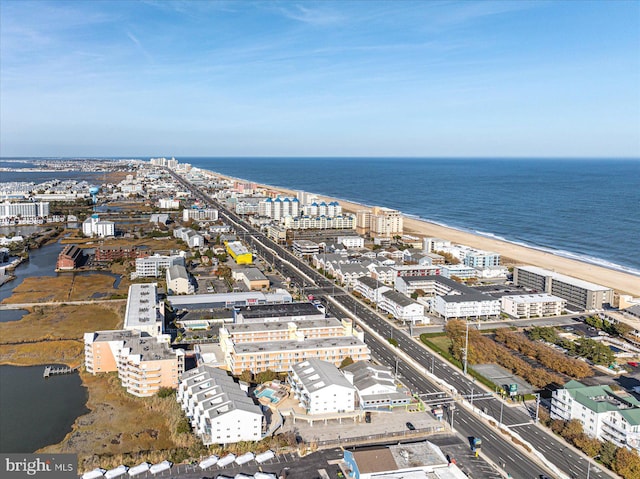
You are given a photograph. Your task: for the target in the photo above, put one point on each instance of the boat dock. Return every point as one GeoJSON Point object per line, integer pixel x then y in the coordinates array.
{"type": "Point", "coordinates": [55, 371]}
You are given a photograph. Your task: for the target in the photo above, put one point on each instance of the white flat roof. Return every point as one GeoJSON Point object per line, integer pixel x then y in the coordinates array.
{"type": "Point", "coordinates": [141, 305]}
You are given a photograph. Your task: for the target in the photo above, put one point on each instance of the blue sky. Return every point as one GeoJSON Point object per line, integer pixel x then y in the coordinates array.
{"type": "Point", "coordinates": [364, 78]}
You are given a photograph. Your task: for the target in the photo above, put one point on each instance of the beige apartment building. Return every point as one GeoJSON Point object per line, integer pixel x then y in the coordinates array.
{"type": "Point", "coordinates": [144, 363]}
{"type": "Point", "coordinates": [379, 222]}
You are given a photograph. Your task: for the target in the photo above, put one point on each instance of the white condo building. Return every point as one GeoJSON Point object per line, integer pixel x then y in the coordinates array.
{"type": "Point", "coordinates": [605, 414]}
{"type": "Point", "coordinates": [533, 305]}
{"type": "Point", "coordinates": [24, 210]}
{"type": "Point", "coordinates": [219, 411]}
{"type": "Point", "coordinates": [156, 265]}
{"type": "Point", "coordinates": [321, 388]}
{"type": "Point", "coordinates": [144, 312]}
{"type": "Point", "coordinates": [200, 214]}
{"type": "Point", "coordinates": [93, 226]}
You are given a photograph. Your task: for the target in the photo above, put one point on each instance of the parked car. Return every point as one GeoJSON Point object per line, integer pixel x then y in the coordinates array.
{"type": "Point", "coordinates": [411, 427]}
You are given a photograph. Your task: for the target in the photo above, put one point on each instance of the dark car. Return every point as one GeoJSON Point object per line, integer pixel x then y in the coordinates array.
{"type": "Point", "coordinates": [411, 427]}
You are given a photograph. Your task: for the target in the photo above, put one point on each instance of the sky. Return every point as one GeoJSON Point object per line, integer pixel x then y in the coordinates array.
{"type": "Point", "coordinates": [304, 78]}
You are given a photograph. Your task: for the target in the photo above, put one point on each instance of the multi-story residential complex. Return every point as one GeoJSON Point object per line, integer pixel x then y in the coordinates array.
{"type": "Point", "coordinates": [24, 210]}
{"type": "Point", "coordinates": [168, 204]}
{"type": "Point", "coordinates": [144, 364]}
{"type": "Point", "coordinates": [402, 307]}
{"type": "Point", "coordinates": [349, 273]}
{"type": "Point", "coordinates": [93, 226]}
{"type": "Point", "coordinates": [287, 330]}
{"type": "Point", "coordinates": [178, 281]}
{"type": "Point", "coordinates": [280, 356]}
{"type": "Point", "coordinates": [533, 305]}
{"type": "Point", "coordinates": [578, 293]}
{"type": "Point", "coordinates": [200, 214]}
{"type": "Point", "coordinates": [417, 270]}
{"type": "Point", "coordinates": [605, 414]}
{"type": "Point", "coordinates": [105, 254]}
{"type": "Point", "coordinates": [481, 259]}
{"type": "Point", "coordinates": [279, 208]}
{"type": "Point", "coordinates": [321, 208]}
{"type": "Point", "coordinates": [435, 244]}
{"type": "Point", "coordinates": [267, 313]}
{"type": "Point", "coordinates": [70, 257]}
{"type": "Point", "coordinates": [189, 236]}
{"type": "Point", "coordinates": [144, 312]}
{"type": "Point", "coordinates": [156, 265]}
{"type": "Point", "coordinates": [219, 411]}
{"type": "Point", "coordinates": [171, 163]}
{"type": "Point", "coordinates": [458, 270]}
{"type": "Point", "coordinates": [351, 242]}
{"type": "Point", "coordinates": [238, 252]}
{"type": "Point", "coordinates": [305, 248]}
{"type": "Point", "coordinates": [379, 222]}
{"type": "Point", "coordinates": [321, 388]}
{"type": "Point", "coordinates": [375, 386]}
{"type": "Point", "coordinates": [305, 222]}
{"type": "Point", "coordinates": [371, 288]}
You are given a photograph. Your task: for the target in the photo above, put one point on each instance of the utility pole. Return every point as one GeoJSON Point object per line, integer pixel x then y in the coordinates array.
{"type": "Point", "coordinates": [537, 404]}
{"type": "Point", "coordinates": [466, 347]}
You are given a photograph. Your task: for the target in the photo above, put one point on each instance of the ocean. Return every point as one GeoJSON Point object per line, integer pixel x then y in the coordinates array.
{"type": "Point", "coordinates": [586, 209]}
{"type": "Point", "coordinates": [583, 209]}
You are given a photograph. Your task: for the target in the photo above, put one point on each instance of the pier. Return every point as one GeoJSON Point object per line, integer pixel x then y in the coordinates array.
{"type": "Point", "coordinates": [55, 371]}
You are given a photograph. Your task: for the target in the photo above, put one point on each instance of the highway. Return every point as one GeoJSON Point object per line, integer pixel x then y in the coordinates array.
{"type": "Point", "coordinates": [499, 449]}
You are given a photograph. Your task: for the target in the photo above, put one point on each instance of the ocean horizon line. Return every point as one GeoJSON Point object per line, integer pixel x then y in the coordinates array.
{"type": "Point", "coordinates": [328, 157]}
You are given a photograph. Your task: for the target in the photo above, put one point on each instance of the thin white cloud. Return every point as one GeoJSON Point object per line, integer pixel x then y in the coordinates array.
{"type": "Point", "coordinates": [313, 16]}
{"type": "Point", "coordinates": [140, 47]}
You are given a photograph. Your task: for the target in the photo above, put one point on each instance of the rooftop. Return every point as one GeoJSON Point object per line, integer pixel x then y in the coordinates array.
{"type": "Point", "coordinates": [564, 278]}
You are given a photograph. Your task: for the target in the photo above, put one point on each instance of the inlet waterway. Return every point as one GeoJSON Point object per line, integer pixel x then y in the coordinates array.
{"type": "Point", "coordinates": [36, 412]}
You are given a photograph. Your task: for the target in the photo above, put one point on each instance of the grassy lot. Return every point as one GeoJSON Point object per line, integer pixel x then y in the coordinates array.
{"type": "Point", "coordinates": [65, 287]}
{"type": "Point", "coordinates": [442, 342]}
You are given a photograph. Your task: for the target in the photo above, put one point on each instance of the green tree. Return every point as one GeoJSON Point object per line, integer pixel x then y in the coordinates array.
{"type": "Point", "coordinates": [165, 392]}
{"type": "Point", "coordinates": [246, 376]}
{"type": "Point", "coordinates": [608, 454]}
{"type": "Point", "coordinates": [266, 376]}
{"type": "Point", "coordinates": [346, 362]}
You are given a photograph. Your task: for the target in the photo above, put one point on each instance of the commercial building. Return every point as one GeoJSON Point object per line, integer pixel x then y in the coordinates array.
{"type": "Point", "coordinates": [252, 278]}
{"type": "Point", "coordinates": [238, 252]}
{"type": "Point", "coordinates": [305, 248]}
{"type": "Point", "coordinates": [228, 300]}
{"type": "Point", "coordinates": [93, 226]}
{"type": "Point", "coordinates": [178, 281]}
{"type": "Point", "coordinates": [375, 386]}
{"type": "Point", "coordinates": [218, 410]}
{"type": "Point", "coordinates": [69, 258]}
{"type": "Point", "coordinates": [605, 414]}
{"type": "Point", "coordinates": [578, 293]}
{"type": "Point", "coordinates": [144, 312]}
{"type": "Point", "coordinates": [533, 305]}
{"type": "Point", "coordinates": [280, 356]}
{"type": "Point", "coordinates": [321, 388]}
{"type": "Point", "coordinates": [156, 265]}
{"type": "Point", "coordinates": [266, 313]}
{"type": "Point", "coordinates": [418, 460]}
{"type": "Point", "coordinates": [144, 364]}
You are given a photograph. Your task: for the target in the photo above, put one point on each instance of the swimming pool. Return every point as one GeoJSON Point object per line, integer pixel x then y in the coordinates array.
{"type": "Point", "coordinates": [269, 393]}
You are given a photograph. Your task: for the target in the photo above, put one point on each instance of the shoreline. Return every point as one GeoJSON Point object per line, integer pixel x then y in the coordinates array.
{"type": "Point", "coordinates": [620, 281]}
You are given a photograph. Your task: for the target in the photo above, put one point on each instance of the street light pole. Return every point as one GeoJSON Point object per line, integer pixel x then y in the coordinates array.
{"type": "Point", "coordinates": [537, 404]}
{"type": "Point", "coordinates": [466, 347]}
{"type": "Point", "coordinates": [589, 465]}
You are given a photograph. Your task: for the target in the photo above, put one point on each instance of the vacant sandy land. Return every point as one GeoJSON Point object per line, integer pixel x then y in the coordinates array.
{"type": "Point", "coordinates": [622, 282]}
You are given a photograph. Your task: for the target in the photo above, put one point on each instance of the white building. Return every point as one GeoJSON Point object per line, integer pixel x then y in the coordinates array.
{"type": "Point", "coordinates": [200, 214]}
{"type": "Point", "coordinates": [375, 386]}
{"type": "Point", "coordinates": [371, 288]}
{"type": "Point", "coordinates": [605, 414]}
{"type": "Point", "coordinates": [468, 305]}
{"type": "Point", "coordinates": [189, 236]}
{"type": "Point", "coordinates": [168, 204]}
{"type": "Point", "coordinates": [156, 265]}
{"type": "Point", "coordinates": [24, 210]}
{"type": "Point", "coordinates": [144, 312]}
{"type": "Point", "coordinates": [305, 248]}
{"type": "Point", "coordinates": [92, 226]}
{"type": "Point", "coordinates": [321, 388]}
{"type": "Point", "coordinates": [342, 222]}
{"type": "Point", "coordinates": [402, 307]}
{"type": "Point", "coordinates": [351, 242]}
{"type": "Point", "coordinates": [219, 411]}
{"type": "Point", "coordinates": [178, 281]}
{"type": "Point", "coordinates": [533, 305]}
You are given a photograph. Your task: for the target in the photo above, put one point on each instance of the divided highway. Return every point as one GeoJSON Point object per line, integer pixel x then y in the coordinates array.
{"type": "Point", "coordinates": [496, 446]}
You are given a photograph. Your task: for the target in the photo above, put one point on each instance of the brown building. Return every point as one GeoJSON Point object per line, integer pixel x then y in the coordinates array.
{"type": "Point", "coordinates": [105, 254]}
{"type": "Point", "coordinates": [69, 258]}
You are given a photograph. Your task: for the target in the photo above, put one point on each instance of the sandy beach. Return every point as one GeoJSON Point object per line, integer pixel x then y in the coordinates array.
{"type": "Point", "coordinates": [619, 281]}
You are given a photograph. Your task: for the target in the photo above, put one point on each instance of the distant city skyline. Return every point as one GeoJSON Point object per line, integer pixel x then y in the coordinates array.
{"type": "Point", "coordinates": [353, 78]}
